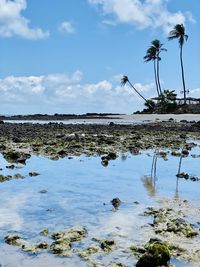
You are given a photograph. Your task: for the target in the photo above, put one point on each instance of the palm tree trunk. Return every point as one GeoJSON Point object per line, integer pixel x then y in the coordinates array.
{"type": "Point", "coordinates": [137, 91]}
{"type": "Point", "coordinates": [158, 76]}
{"type": "Point", "coordinates": [155, 74]}
{"type": "Point", "coordinates": [182, 72]}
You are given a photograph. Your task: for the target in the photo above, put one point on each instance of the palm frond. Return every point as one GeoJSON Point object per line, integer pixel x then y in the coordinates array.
{"type": "Point", "coordinates": [124, 80]}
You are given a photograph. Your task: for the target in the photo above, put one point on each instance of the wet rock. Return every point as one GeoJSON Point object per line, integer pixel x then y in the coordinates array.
{"type": "Point", "coordinates": [116, 202]}
{"type": "Point", "coordinates": [16, 156]}
{"type": "Point", "coordinates": [183, 175]}
{"type": "Point", "coordinates": [10, 167]}
{"type": "Point", "coordinates": [157, 254]}
{"type": "Point", "coordinates": [166, 221]}
{"type": "Point", "coordinates": [9, 177]}
{"type": "Point", "coordinates": [180, 226]}
{"type": "Point", "coordinates": [61, 247]}
{"type": "Point", "coordinates": [43, 245]}
{"type": "Point", "coordinates": [72, 234]}
{"type": "Point", "coordinates": [89, 251]}
{"type": "Point", "coordinates": [175, 154]}
{"type": "Point", "coordinates": [43, 191]}
{"type": "Point", "coordinates": [116, 264]}
{"type": "Point", "coordinates": [33, 174]}
{"type": "Point", "coordinates": [16, 240]}
{"type": "Point", "coordinates": [13, 240]}
{"type": "Point", "coordinates": [4, 178]}
{"type": "Point", "coordinates": [45, 232]}
{"type": "Point", "coordinates": [106, 245]}
{"type": "Point", "coordinates": [187, 176]}
{"type": "Point", "coordinates": [104, 162]}
{"type": "Point", "coordinates": [111, 156]}
{"type": "Point", "coordinates": [137, 251]}
{"type": "Point", "coordinates": [18, 176]}
{"type": "Point", "coordinates": [185, 152]}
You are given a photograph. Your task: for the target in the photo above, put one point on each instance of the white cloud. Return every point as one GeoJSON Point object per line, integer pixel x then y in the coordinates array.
{"type": "Point", "coordinates": [143, 13]}
{"type": "Point", "coordinates": [12, 22]}
{"type": "Point", "coordinates": [194, 92]}
{"type": "Point", "coordinates": [66, 27]}
{"type": "Point", "coordinates": [66, 93]}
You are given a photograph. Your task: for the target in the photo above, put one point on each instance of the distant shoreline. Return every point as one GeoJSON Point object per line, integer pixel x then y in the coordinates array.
{"type": "Point", "coordinates": [103, 116]}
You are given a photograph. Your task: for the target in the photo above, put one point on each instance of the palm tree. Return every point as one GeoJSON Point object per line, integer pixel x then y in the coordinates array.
{"type": "Point", "coordinates": [159, 48]}
{"type": "Point", "coordinates": [125, 80]}
{"type": "Point", "coordinates": [153, 54]}
{"type": "Point", "coordinates": [179, 33]}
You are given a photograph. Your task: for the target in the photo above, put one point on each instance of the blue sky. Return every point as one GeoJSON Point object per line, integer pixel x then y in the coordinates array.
{"type": "Point", "coordinates": [68, 56]}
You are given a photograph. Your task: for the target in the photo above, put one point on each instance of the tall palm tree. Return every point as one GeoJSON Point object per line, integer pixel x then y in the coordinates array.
{"type": "Point", "coordinates": [159, 48]}
{"type": "Point", "coordinates": [125, 80]}
{"type": "Point", "coordinates": [153, 54]}
{"type": "Point", "coordinates": [179, 33]}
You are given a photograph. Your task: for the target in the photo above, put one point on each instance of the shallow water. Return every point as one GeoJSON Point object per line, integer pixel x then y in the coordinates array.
{"type": "Point", "coordinates": [79, 191]}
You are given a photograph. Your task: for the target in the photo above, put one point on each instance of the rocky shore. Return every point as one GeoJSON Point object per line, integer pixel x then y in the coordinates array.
{"type": "Point", "coordinates": [168, 223]}
{"type": "Point", "coordinates": [18, 141]}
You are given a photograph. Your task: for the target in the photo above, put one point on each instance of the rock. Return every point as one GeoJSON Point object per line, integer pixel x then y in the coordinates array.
{"type": "Point", "coordinates": [16, 156]}
{"type": "Point", "coordinates": [10, 167]}
{"type": "Point", "coordinates": [104, 162]}
{"type": "Point", "coordinates": [166, 221]}
{"type": "Point", "coordinates": [16, 240]}
{"type": "Point", "coordinates": [18, 176]}
{"type": "Point", "coordinates": [111, 156]}
{"type": "Point", "coordinates": [72, 235]}
{"type": "Point", "coordinates": [106, 245]}
{"type": "Point", "coordinates": [9, 177]}
{"type": "Point", "coordinates": [157, 254]}
{"type": "Point", "coordinates": [43, 245]}
{"type": "Point", "coordinates": [183, 175]}
{"type": "Point", "coordinates": [45, 232]}
{"type": "Point", "coordinates": [89, 251]}
{"type": "Point", "coordinates": [13, 240]}
{"type": "Point", "coordinates": [185, 152]}
{"type": "Point", "coordinates": [116, 264]}
{"type": "Point", "coordinates": [43, 191]}
{"type": "Point", "coordinates": [33, 174]}
{"type": "Point", "coordinates": [60, 247]}
{"type": "Point", "coordinates": [116, 202]}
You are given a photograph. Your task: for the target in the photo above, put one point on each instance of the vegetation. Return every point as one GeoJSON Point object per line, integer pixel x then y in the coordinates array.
{"type": "Point", "coordinates": [126, 80]}
{"type": "Point", "coordinates": [166, 99]}
{"type": "Point", "coordinates": [179, 33]}
{"type": "Point", "coordinates": [153, 54]}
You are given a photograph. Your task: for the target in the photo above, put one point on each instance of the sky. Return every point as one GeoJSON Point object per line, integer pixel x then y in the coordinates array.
{"type": "Point", "coordinates": [68, 56]}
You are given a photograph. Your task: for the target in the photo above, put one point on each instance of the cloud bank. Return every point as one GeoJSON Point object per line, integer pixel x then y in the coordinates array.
{"type": "Point", "coordinates": [67, 93]}
{"type": "Point", "coordinates": [13, 23]}
{"type": "Point", "coordinates": [142, 13]}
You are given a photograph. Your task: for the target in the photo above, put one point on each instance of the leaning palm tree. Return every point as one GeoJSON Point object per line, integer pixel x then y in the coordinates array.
{"type": "Point", "coordinates": [125, 80]}
{"type": "Point", "coordinates": [179, 33]}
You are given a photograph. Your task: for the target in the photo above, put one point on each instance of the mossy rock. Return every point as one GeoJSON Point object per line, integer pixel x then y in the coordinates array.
{"type": "Point", "coordinates": [45, 232]}
{"type": "Point", "coordinates": [60, 247]}
{"type": "Point", "coordinates": [157, 254]}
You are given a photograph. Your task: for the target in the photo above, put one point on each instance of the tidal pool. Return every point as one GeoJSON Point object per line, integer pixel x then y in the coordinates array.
{"type": "Point", "coordinates": [78, 191]}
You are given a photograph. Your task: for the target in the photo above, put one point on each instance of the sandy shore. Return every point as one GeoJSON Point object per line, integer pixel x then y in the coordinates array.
{"type": "Point", "coordinates": [153, 117]}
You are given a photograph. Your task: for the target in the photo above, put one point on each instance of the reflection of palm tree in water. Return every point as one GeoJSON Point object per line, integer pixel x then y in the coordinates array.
{"type": "Point", "coordinates": [176, 196]}
{"type": "Point", "coordinates": [149, 182]}
{"type": "Point", "coordinates": [184, 153]}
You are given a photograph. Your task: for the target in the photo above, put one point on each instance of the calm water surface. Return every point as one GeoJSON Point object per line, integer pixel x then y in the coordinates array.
{"type": "Point", "coordinates": [79, 191]}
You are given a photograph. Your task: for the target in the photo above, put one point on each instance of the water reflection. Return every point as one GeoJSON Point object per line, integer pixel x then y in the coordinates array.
{"type": "Point", "coordinates": [76, 190]}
